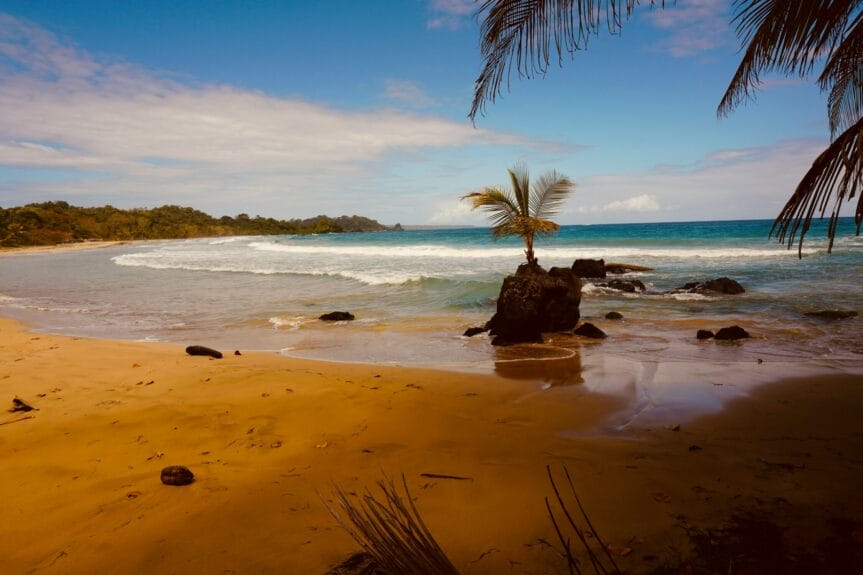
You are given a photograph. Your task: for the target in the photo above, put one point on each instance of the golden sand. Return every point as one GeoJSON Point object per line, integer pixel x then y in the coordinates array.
{"type": "Point", "coordinates": [267, 436]}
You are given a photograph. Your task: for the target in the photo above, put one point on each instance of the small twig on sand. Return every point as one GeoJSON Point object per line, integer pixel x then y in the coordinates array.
{"type": "Point", "coordinates": [444, 476]}
{"type": "Point", "coordinates": [17, 420]}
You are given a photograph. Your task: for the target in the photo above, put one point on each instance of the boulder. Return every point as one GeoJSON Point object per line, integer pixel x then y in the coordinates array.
{"type": "Point", "coordinates": [614, 315]}
{"type": "Point", "coordinates": [721, 285]}
{"type": "Point", "coordinates": [533, 301]}
{"type": "Point", "coordinates": [832, 314]}
{"type": "Point", "coordinates": [704, 334]}
{"type": "Point", "coordinates": [589, 268]}
{"type": "Point", "coordinates": [587, 329]}
{"type": "Point", "coordinates": [201, 350]}
{"type": "Point", "coordinates": [628, 286]}
{"type": "Point", "coordinates": [731, 333]}
{"type": "Point", "coordinates": [337, 316]}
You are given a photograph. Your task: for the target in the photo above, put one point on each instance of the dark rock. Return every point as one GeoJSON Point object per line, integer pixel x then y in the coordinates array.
{"type": "Point", "coordinates": [628, 286]}
{"type": "Point", "coordinates": [587, 329]}
{"type": "Point", "coordinates": [472, 331]}
{"type": "Point", "coordinates": [360, 563]}
{"type": "Point", "coordinates": [614, 315]}
{"type": "Point", "coordinates": [832, 314]}
{"type": "Point", "coordinates": [589, 268]}
{"type": "Point", "coordinates": [732, 333]}
{"type": "Point", "coordinates": [721, 285]}
{"type": "Point", "coordinates": [612, 268]}
{"type": "Point", "coordinates": [704, 334]}
{"type": "Point", "coordinates": [337, 316]}
{"type": "Point", "coordinates": [201, 350]}
{"type": "Point", "coordinates": [237, 352]}
{"type": "Point", "coordinates": [534, 301]}
{"type": "Point", "coordinates": [177, 475]}
{"type": "Point", "coordinates": [21, 405]}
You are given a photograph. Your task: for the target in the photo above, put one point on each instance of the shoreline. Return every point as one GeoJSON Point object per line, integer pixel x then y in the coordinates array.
{"type": "Point", "coordinates": [266, 435]}
{"type": "Point", "coordinates": [67, 247]}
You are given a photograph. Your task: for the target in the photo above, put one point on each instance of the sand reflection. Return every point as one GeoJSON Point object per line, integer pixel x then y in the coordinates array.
{"type": "Point", "coordinates": [551, 364]}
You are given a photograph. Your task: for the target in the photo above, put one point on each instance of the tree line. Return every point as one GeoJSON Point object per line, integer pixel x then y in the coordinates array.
{"type": "Point", "coordinates": [51, 223]}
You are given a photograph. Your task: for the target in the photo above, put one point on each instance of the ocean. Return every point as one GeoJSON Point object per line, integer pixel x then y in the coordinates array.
{"type": "Point", "coordinates": [414, 292]}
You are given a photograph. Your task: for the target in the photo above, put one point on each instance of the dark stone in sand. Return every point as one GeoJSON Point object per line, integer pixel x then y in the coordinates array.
{"type": "Point", "coordinates": [201, 350]}
{"type": "Point", "coordinates": [21, 405]}
{"type": "Point", "coordinates": [589, 268]}
{"type": "Point", "coordinates": [587, 329]}
{"type": "Point", "coordinates": [721, 285]}
{"type": "Point", "coordinates": [832, 314]}
{"type": "Point", "coordinates": [614, 315]}
{"type": "Point", "coordinates": [237, 352]}
{"type": "Point", "coordinates": [732, 333]}
{"type": "Point", "coordinates": [628, 286]}
{"type": "Point", "coordinates": [704, 334]}
{"type": "Point", "coordinates": [534, 301]}
{"type": "Point", "coordinates": [177, 475]}
{"type": "Point", "coordinates": [337, 316]}
{"type": "Point", "coordinates": [360, 563]}
{"type": "Point", "coordinates": [472, 331]}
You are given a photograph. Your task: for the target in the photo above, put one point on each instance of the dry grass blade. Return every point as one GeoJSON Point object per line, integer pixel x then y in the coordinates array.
{"type": "Point", "coordinates": [601, 561]}
{"type": "Point", "coordinates": [391, 531]}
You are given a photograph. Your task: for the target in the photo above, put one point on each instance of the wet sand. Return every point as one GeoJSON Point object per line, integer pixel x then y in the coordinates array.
{"type": "Point", "coordinates": [268, 436]}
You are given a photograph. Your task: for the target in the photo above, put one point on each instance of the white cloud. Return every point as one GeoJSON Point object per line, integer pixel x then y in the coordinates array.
{"type": "Point", "coordinates": [452, 14]}
{"type": "Point", "coordinates": [137, 135]}
{"type": "Point", "coordinates": [407, 93]}
{"type": "Point", "coordinates": [694, 26]}
{"type": "Point", "coordinates": [640, 203]}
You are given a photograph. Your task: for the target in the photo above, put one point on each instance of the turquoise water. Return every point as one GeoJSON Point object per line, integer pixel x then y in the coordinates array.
{"type": "Point", "coordinates": [414, 293]}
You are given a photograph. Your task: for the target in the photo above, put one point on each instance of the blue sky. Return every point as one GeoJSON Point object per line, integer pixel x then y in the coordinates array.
{"type": "Point", "coordinates": [297, 108]}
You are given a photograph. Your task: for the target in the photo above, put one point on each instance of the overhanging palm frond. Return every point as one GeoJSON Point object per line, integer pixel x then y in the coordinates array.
{"type": "Point", "coordinates": [520, 33]}
{"type": "Point", "coordinates": [838, 174]}
{"type": "Point", "coordinates": [785, 36]}
{"type": "Point", "coordinates": [548, 193]}
{"type": "Point", "coordinates": [843, 78]}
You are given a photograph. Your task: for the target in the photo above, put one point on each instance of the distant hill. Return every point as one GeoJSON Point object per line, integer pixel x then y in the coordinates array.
{"type": "Point", "coordinates": [51, 223]}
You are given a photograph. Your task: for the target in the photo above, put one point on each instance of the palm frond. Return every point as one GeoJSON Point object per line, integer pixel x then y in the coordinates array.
{"type": "Point", "coordinates": [519, 177]}
{"type": "Point", "coordinates": [838, 174]}
{"type": "Point", "coordinates": [843, 78]}
{"type": "Point", "coordinates": [501, 206]}
{"type": "Point", "coordinates": [523, 34]}
{"type": "Point", "coordinates": [392, 531]}
{"type": "Point", "coordinates": [785, 36]}
{"type": "Point", "coordinates": [548, 193]}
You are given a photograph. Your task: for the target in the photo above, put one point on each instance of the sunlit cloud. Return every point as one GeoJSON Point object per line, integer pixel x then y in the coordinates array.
{"type": "Point", "coordinates": [139, 135]}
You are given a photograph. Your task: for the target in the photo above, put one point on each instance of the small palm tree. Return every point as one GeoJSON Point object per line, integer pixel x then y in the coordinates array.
{"type": "Point", "coordinates": [524, 210]}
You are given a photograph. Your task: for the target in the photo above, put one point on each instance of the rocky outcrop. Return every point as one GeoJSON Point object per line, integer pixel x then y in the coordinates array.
{"type": "Point", "coordinates": [731, 333]}
{"type": "Point", "coordinates": [587, 329]}
{"type": "Point", "coordinates": [534, 301]}
{"type": "Point", "coordinates": [589, 268]}
{"type": "Point", "coordinates": [832, 314]}
{"type": "Point", "coordinates": [628, 286]}
{"type": "Point", "coordinates": [337, 316]}
{"type": "Point", "coordinates": [721, 285]}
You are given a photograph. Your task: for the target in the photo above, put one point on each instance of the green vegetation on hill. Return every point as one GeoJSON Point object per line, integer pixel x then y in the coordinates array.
{"type": "Point", "coordinates": [58, 222]}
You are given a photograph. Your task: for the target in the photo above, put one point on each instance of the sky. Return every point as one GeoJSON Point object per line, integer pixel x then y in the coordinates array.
{"type": "Point", "coordinates": [291, 109]}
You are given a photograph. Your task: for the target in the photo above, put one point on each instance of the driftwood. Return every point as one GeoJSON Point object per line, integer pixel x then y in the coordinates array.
{"type": "Point", "coordinates": [201, 350]}
{"type": "Point", "coordinates": [444, 476]}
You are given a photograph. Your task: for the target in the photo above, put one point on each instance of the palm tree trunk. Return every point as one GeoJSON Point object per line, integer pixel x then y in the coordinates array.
{"type": "Point", "coordinates": [528, 242]}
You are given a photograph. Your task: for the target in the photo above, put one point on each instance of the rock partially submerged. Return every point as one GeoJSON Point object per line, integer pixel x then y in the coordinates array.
{"type": "Point", "coordinates": [617, 268]}
{"type": "Point", "coordinates": [628, 286]}
{"type": "Point", "coordinates": [337, 316]}
{"type": "Point", "coordinates": [731, 333]}
{"type": "Point", "coordinates": [832, 314]}
{"type": "Point", "coordinates": [589, 268]}
{"type": "Point", "coordinates": [721, 285]}
{"type": "Point", "coordinates": [472, 331]}
{"type": "Point", "coordinates": [614, 315]}
{"type": "Point", "coordinates": [201, 350]}
{"type": "Point", "coordinates": [533, 301]}
{"type": "Point", "coordinates": [704, 334]}
{"type": "Point", "coordinates": [587, 329]}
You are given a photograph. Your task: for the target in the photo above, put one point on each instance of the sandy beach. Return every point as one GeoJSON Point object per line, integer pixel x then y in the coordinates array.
{"type": "Point", "coordinates": [267, 438]}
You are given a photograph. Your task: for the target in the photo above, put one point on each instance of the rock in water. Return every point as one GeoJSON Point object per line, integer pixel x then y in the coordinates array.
{"type": "Point", "coordinates": [201, 350]}
{"type": "Point", "coordinates": [628, 286]}
{"type": "Point", "coordinates": [832, 314]}
{"type": "Point", "coordinates": [472, 331]}
{"type": "Point", "coordinates": [587, 329]}
{"type": "Point", "coordinates": [177, 475]}
{"type": "Point", "coordinates": [731, 333]}
{"type": "Point", "coordinates": [614, 315]}
{"type": "Point", "coordinates": [337, 316]}
{"type": "Point", "coordinates": [534, 301]}
{"type": "Point", "coordinates": [721, 285]}
{"type": "Point", "coordinates": [589, 268]}
{"type": "Point", "coordinates": [704, 334]}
